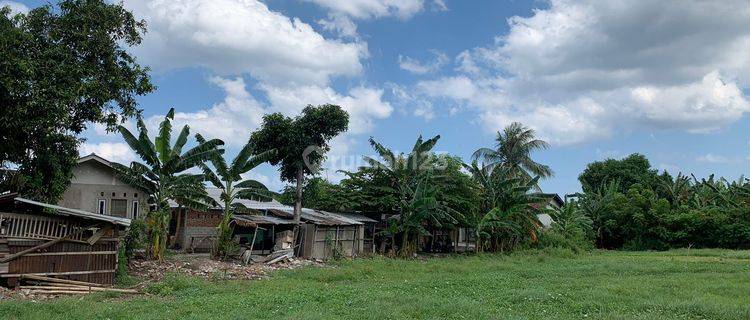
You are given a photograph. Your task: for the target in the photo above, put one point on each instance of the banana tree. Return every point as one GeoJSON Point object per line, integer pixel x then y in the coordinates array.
{"type": "Point", "coordinates": [511, 207]}
{"type": "Point", "coordinates": [412, 180]}
{"type": "Point", "coordinates": [162, 177]}
{"type": "Point", "coordinates": [228, 178]}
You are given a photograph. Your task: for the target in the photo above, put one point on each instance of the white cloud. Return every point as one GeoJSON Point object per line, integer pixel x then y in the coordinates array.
{"type": "Point", "coordinates": [340, 24]}
{"type": "Point", "coordinates": [439, 5]}
{"type": "Point", "coordinates": [272, 183]}
{"type": "Point", "coordinates": [581, 70]}
{"type": "Point", "coordinates": [231, 120]}
{"type": "Point", "coordinates": [15, 7]}
{"type": "Point", "coordinates": [368, 9]}
{"type": "Point", "coordinates": [713, 158]}
{"type": "Point", "coordinates": [113, 151]}
{"type": "Point", "coordinates": [417, 67]}
{"type": "Point", "coordinates": [363, 104]}
{"type": "Point", "coordinates": [421, 107]}
{"type": "Point", "coordinates": [241, 36]}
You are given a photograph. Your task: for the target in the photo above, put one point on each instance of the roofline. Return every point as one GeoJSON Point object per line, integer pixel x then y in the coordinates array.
{"type": "Point", "coordinates": [95, 157]}
{"type": "Point", "coordinates": [77, 213]}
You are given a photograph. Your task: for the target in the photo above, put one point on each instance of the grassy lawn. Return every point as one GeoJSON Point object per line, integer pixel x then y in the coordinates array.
{"type": "Point", "coordinates": [680, 284]}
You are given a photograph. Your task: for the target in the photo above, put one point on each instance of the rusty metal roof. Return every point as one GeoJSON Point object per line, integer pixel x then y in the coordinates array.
{"type": "Point", "coordinates": [58, 210]}
{"type": "Point", "coordinates": [255, 220]}
{"type": "Point", "coordinates": [318, 217]}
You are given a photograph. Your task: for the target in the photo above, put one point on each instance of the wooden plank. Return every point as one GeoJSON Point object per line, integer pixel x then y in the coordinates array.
{"type": "Point", "coordinates": [78, 288]}
{"type": "Point", "coordinates": [39, 247]}
{"type": "Point", "coordinates": [98, 234]}
{"type": "Point", "coordinates": [41, 276]}
{"type": "Point", "coordinates": [57, 292]}
{"type": "Point", "coordinates": [75, 253]}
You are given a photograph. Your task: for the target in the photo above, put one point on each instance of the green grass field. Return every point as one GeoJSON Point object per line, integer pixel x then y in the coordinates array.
{"type": "Point", "coordinates": [681, 284]}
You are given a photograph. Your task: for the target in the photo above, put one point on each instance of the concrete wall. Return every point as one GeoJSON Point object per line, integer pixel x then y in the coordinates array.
{"type": "Point", "coordinates": [93, 181]}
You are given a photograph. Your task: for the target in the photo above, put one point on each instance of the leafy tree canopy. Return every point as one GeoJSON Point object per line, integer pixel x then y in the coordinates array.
{"type": "Point", "coordinates": [301, 142]}
{"type": "Point", "coordinates": [62, 67]}
{"type": "Point", "coordinates": [633, 169]}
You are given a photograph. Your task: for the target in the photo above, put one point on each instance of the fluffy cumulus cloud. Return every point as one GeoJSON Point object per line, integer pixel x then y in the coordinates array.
{"type": "Point", "coordinates": [292, 64]}
{"type": "Point", "coordinates": [581, 70]}
{"type": "Point", "coordinates": [113, 151]}
{"type": "Point", "coordinates": [363, 104]}
{"type": "Point", "coordinates": [241, 36]}
{"type": "Point", "coordinates": [230, 120]}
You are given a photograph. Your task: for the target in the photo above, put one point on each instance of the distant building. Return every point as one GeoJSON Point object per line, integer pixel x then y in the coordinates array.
{"type": "Point", "coordinates": [96, 188]}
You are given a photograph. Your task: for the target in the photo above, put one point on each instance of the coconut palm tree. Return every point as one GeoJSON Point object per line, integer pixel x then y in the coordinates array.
{"type": "Point", "coordinates": [161, 175]}
{"type": "Point", "coordinates": [405, 167]}
{"type": "Point", "coordinates": [228, 178]}
{"type": "Point", "coordinates": [513, 149]}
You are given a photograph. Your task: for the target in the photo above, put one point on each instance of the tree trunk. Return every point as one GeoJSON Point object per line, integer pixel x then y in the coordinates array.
{"type": "Point", "coordinates": [405, 244]}
{"type": "Point", "coordinates": [298, 197]}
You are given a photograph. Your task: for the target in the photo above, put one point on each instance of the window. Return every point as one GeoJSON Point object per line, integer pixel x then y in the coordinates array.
{"type": "Point", "coordinates": [119, 207]}
{"type": "Point", "coordinates": [134, 210]}
{"type": "Point", "coordinates": [102, 206]}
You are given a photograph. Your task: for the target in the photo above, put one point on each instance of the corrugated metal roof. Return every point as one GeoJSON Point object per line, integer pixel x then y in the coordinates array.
{"type": "Point", "coordinates": [215, 193]}
{"type": "Point", "coordinates": [254, 220]}
{"type": "Point", "coordinates": [316, 216]}
{"type": "Point", "coordinates": [77, 213]}
{"type": "Point", "coordinates": [358, 217]}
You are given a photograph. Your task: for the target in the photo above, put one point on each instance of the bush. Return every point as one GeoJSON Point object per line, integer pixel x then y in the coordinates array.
{"type": "Point", "coordinates": [135, 238]}
{"type": "Point", "coordinates": [554, 238]}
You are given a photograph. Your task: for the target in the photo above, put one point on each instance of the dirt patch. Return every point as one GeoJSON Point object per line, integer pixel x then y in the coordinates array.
{"type": "Point", "coordinates": [199, 265]}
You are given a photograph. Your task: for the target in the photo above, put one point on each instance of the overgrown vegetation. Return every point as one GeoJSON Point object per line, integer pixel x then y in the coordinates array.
{"type": "Point", "coordinates": [550, 283]}
{"type": "Point", "coordinates": [633, 207]}
{"type": "Point", "coordinates": [228, 179]}
{"type": "Point", "coordinates": [162, 177]}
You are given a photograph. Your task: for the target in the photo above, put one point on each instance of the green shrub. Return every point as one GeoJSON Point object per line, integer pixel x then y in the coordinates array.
{"type": "Point", "coordinates": [554, 238]}
{"type": "Point", "coordinates": [135, 238]}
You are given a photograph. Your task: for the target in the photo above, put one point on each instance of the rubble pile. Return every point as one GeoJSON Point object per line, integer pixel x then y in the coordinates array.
{"type": "Point", "coordinates": [205, 267]}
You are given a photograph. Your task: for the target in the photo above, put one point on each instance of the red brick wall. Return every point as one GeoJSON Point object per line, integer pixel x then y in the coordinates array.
{"type": "Point", "coordinates": [202, 219]}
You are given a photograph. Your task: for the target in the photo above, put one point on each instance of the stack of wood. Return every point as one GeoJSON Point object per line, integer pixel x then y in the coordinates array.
{"type": "Point", "coordinates": [49, 286]}
{"type": "Point", "coordinates": [279, 256]}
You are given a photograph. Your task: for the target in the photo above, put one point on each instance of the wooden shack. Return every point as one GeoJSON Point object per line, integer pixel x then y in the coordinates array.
{"type": "Point", "coordinates": [324, 234]}
{"type": "Point", "coordinates": [48, 240]}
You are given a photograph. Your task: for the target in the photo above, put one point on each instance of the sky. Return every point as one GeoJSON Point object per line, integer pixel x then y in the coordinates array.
{"type": "Point", "coordinates": [596, 79]}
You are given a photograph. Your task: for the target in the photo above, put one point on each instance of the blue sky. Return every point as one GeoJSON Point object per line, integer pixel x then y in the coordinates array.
{"type": "Point", "coordinates": [667, 79]}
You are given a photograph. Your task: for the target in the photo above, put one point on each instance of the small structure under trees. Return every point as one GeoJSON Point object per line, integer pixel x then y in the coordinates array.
{"type": "Point", "coordinates": [41, 239]}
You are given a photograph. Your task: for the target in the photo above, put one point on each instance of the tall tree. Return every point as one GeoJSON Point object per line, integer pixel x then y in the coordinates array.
{"type": "Point", "coordinates": [161, 175]}
{"type": "Point", "coordinates": [301, 142]}
{"type": "Point", "coordinates": [61, 68]}
{"type": "Point", "coordinates": [227, 177]}
{"type": "Point", "coordinates": [511, 207]}
{"type": "Point", "coordinates": [415, 180]}
{"type": "Point", "coordinates": [626, 172]}
{"type": "Point", "coordinates": [513, 149]}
